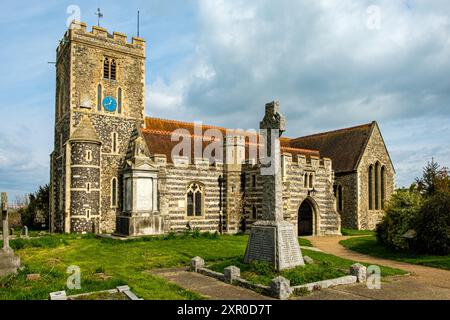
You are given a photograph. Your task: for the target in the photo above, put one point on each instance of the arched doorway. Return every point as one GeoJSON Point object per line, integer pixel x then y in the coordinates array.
{"type": "Point", "coordinates": [306, 219]}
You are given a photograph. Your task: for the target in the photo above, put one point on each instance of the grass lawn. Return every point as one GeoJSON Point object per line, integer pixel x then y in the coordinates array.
{"type": "Point", "coordinates": [354, 232]}
{"type": "Point", "coordinates": [128, 262]}
{"type": "Point", "coordinates": [304, 242]}
{"type": "Point", "coordinates": [370, 246]}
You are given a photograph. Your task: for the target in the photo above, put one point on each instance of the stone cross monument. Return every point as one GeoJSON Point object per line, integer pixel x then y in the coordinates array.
{"type": "Point", "coordinates": [8, 261]}
{"type": "Point", "coordinates": [273, 239]}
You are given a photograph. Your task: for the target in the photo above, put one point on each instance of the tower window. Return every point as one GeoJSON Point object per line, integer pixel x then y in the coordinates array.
{"type": "Point", "coordinates": [88, 187]}
{"type": "Point", "coordinates": [114, 142]}
{"type": "Point", "coordinates": [113, 69]}
{"type": "Point", "coordinates": [254, 213]}
{"type": "Point", "coordinates": [106, 67]}
{"type": "Point", "coordinates": [311, 177]}
{"type": "Point", "coordinates": [119, 100]}
{"type": "Point", "coordinates": [254, 181]}
{"type": "Point", "coordinates": [114, 192]}
{"type": "Point", "coordinates": [99, 97]}
{"type": "Point", "coordinates": [109, 69]}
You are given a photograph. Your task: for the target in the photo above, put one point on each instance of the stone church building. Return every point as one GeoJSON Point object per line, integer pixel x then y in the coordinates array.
{"type": "Point", "coordinates": [114, 170]}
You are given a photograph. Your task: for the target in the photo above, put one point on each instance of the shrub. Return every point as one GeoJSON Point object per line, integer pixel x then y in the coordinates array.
{"type": "Point", "coordinates": [401, 216]}
{"type": "Point", "coordinates": [433, 227]}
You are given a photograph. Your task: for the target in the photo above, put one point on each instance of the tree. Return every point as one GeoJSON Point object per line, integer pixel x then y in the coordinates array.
{"type": "Point", "coordinates": [434, 178]}
{"type": "Point", "coordinates": [36, 213]}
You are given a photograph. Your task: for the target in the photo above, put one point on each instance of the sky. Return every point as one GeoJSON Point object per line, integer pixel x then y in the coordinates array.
{"type": "Point", "coordinates": [331, 64]}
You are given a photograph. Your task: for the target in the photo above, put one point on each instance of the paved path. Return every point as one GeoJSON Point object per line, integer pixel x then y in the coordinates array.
{"type": "Point", "coordinates": [423, 283]}
{"type": "Point", "coordinates": [206, 286]}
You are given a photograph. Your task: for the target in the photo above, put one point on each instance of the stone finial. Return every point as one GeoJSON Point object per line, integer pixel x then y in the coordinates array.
{"type": "Point", "coordinates": [359, 271]}
{"type": "Point", "coordinates": [280, 288]}
{"type": "Point", "coordinates": [197, 263]}
{"type": "Point", "coordinates": [231, 273]}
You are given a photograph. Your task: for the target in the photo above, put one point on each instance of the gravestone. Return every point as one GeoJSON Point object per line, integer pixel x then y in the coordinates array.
{"type": "Point", "coordinates": [272, 239]}
{"type": "Point", "coordinates": [24, 232]}
{"type": "Point", "coordinates": [8, 261]}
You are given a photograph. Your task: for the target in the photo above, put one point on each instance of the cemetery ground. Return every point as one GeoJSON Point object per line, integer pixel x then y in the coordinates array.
{"type": "Point", "coordinates": [107, 263]}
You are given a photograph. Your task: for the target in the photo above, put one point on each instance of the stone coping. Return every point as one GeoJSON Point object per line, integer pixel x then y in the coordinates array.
{"type": "Point", "coordinates": [61, 295]}
{"type": "Point", "coordinates": [280, 287]}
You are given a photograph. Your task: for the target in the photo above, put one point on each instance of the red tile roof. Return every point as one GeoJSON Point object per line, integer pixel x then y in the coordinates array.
{"type": "Point", "coordinates": [343, 146]}
{"type": "Point", "coordinates": [157, 133]}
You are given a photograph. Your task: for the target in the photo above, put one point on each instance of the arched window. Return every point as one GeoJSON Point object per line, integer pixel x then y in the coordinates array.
{"type": "Point", "coordinates": [194, 200]}
{"type": "Point", "coordinates": [106, 67]}
{"type": "Point", "coordinates": [306, 180]}
{"type": "Point", "coordinates": [311, 177]}
{"type": "Point", "coordinates": [113, 69]}
{"type": "Point", "coordinates": [383, 186]}
{"type": "Point", "coordinates": [243, 180]}
{"type": "Point", "coordinates": [114, 192]}
{"type": "Point", "coordinates": [377, 186]}
{"type": "Point", "coordinates": [119, 100]}
{"type": "Point", "coordinates": [254, 213]}
{"type": "Point", "coordinates": [339, 199]}
{"type": "Point", "coordinates": [99, 97]}
{"type": "Point", "coordinates": [254, 181]}
{"type": "Point", "coordinates": [370, 187]}
{"type": "Point", "coordinates": [114, 142]}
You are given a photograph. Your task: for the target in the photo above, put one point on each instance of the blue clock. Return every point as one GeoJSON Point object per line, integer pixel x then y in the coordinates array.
{"type": "Point", "coordinates": [109, 104]}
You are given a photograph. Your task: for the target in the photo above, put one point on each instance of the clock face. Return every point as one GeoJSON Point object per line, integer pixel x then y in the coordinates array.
{"type": "Point", "coordinates": [109, 104]}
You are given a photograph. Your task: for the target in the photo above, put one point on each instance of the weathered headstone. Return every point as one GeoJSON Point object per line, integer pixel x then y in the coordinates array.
{"type": "Point", "coordinates": [273, 239]}
{"type": "Point", "coordinates": [8, 261]}
{"type": "Point", "coordinates": [24, 232]}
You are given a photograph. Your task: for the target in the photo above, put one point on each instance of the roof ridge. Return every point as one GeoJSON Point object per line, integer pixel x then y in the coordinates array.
{"type": "Point", "coordinates": [334, 131]}
{"type": "Point", "coordinates": [209, 127]}
{"type": "Point", "coordinates": [187, 123]}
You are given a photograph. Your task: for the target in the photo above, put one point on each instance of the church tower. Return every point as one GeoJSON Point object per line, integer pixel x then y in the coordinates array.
{"type": "Point", "coordinates": [99, 101]}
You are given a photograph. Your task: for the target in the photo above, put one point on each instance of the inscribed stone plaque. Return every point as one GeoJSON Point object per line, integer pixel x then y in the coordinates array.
{"type": "Point", "coordinates": [144, 196]}
{"type": "Point", "coordinates": [289, 251]}
{"type": "Point", "coordinates": [261, 244]}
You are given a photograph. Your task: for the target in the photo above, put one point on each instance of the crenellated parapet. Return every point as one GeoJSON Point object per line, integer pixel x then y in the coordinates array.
{"type": "Point", "coordinates": [97, 36]}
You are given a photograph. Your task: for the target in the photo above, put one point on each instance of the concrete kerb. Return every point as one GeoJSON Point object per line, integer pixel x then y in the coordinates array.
{"type": "Point", "coordinates": [280, 287]}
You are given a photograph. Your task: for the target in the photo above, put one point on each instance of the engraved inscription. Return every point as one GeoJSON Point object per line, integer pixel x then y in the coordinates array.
{"type": "Point", "coordinates": [262, 244]}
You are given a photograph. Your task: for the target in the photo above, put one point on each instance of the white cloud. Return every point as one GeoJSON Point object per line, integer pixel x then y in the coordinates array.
{"type": "Point", "coordinates": [321, 61]}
